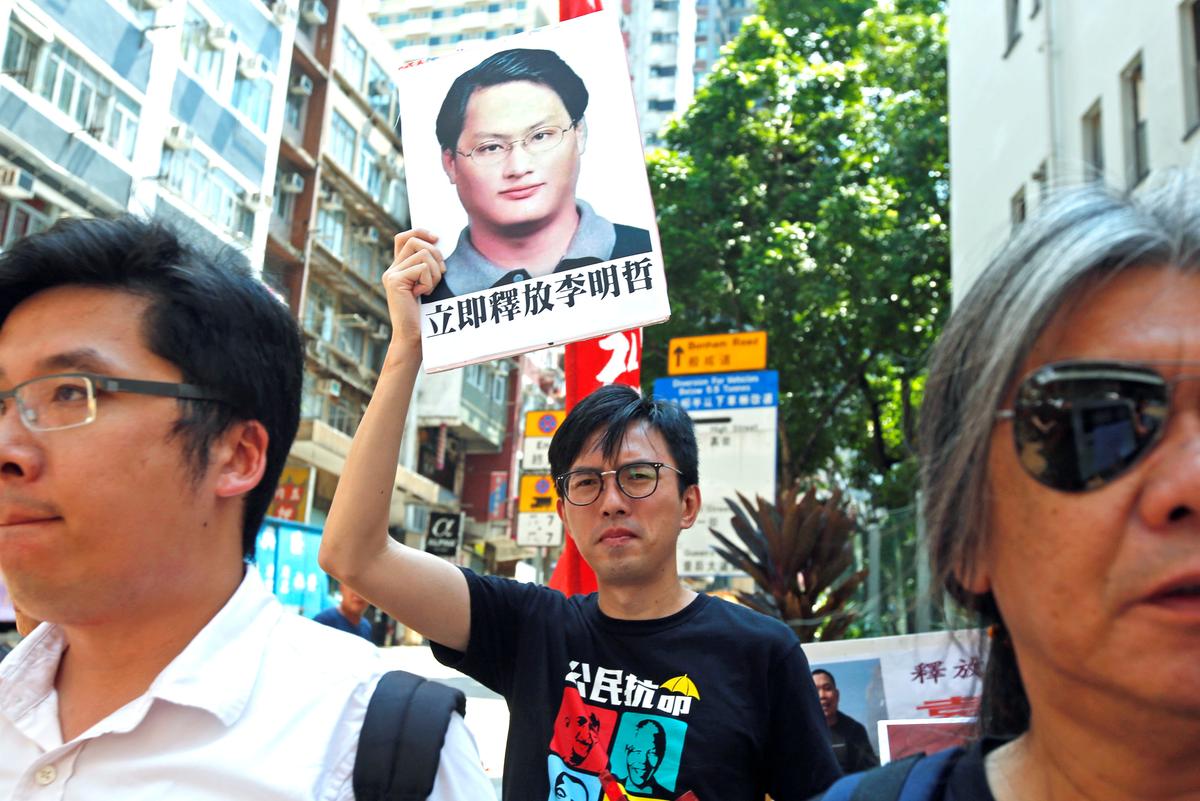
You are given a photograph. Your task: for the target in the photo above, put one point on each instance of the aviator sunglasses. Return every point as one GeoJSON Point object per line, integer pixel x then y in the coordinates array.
{"type": "Point", "coordinates": [1078, 425]}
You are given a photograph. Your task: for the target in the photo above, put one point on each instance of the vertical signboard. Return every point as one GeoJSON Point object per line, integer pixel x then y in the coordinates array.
{"type": "Point", "coordinates": [497, 501]}
{"type": "Point", "coordinates": [293, 495]}
{"type": "Point", "coordinates": [537, 519]}
{"type": "Point", "coordinates": [444, 535]}
{"type": "Point", "coordinates": [539, 430]}
{"type": "Point", "coordinates": [735, 415]}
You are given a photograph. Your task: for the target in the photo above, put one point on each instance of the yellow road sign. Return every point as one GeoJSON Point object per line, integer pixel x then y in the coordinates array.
{"type": "Point", "coordinates": [543, 423]}
{"type": "Point", "coordinates": [717, 353]}
{"type": "Point", "coordinates": [537, 494]}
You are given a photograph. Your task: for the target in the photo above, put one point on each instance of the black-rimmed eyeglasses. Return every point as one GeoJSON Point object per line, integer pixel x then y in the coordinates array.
{"type": "Point", "coordinates": [636, 480]}
{"type": "Point", "coordinates": [68, 400]}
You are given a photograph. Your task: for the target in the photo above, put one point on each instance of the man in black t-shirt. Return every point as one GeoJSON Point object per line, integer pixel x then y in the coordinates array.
{"type": "Point", "coordinates": [643, 690]}
{"type": "Point", "coordinates": [851, 744]}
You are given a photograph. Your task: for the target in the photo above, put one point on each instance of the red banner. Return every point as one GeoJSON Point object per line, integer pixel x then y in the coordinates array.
{"type": "Point", "coordinates": [588, 365]}
{"type": "Point", "coordinates": [594, 363]}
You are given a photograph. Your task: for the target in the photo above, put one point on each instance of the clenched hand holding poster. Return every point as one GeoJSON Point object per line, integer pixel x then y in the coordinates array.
{"type": "Point", "coordinates": [524, 158]}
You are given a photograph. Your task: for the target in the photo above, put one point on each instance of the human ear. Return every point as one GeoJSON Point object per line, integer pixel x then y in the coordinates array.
{"type": "Point", "coordinates": [448, 165]}
{"type": "Point", "coordinates": [691, 506]}
{"type": "Point", "coordinates": [581, 136]}
{"type": "Point", "coordinates": [240, 458]}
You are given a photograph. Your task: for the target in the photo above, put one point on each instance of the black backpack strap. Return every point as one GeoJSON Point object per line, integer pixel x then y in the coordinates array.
{"type": "Point", "coordinates": [886, 782]}
{"type": "Point", "coordinates": [400, 745]}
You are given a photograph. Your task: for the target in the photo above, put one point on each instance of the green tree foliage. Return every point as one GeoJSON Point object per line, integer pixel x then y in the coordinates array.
{"type": "Point", "coordinates": [805, 193]}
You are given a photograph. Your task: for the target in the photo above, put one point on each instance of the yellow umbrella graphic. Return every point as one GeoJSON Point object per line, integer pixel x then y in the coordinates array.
{"type": "Point", "coordinates": [682, 685]}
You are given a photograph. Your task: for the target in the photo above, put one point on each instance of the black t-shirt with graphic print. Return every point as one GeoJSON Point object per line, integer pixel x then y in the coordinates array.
{"type": "Point", "coordinates": [715, 699]}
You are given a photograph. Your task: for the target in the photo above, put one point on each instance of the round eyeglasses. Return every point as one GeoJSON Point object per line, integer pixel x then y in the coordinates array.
{"type": "Point", "coordinates": [493, 151]}
{"type": "Point", "coordinates": [69, 400]}
{"type": "Point", "coordinates": [636, 480]}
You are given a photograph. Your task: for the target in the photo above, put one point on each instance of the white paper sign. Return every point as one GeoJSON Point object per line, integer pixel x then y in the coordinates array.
{"type": "Point", "coordinates": [523, 157]}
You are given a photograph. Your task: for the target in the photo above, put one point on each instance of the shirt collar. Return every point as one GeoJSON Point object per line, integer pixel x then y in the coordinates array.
{"type": "Point", "coordinates": [216, 671]}
{"type": "Point", "coordinates": [471, 271]}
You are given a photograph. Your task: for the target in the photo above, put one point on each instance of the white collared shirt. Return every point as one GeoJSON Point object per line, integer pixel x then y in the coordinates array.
{"type": "Point", "coordinates": [262, 704]}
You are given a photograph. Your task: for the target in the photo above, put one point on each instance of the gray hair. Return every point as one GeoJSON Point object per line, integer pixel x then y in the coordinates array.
{"type": "Point", "coordinates": [1083, 236]}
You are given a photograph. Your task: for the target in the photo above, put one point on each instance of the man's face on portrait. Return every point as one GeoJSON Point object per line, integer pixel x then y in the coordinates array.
{"type": "Point", "coordinates": [827, 694]}
{"type": "Point", "coordinates": [521, 191]}
{"type": "Point", "coordinates": [642, 757]}
{"type": "Point", "coordinates": [569, 788]}
{"type": "Point", "coordinates": [584, 733]}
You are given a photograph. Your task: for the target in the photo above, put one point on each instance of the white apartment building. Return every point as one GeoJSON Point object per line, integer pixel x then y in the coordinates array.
{"type": "Point", "coordinates": [717, 22]}
{"type": "Point", "coordinates": [660, 40]}
{"type": "Point", "coordinates": [1051, 92]}
{"type": "Point", "coordinates": [423, 28]}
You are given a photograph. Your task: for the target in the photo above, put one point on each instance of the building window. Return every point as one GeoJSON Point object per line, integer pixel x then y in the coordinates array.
{"type": "Point", "coordinates": [664, 37]}
{"type": "Point", "coordinates": [331, 229]}
{"type": "Point", "coordinates": [1012, 23]}
{"type": "Point", "coordinates": [1191, 67]}
{"type": "Point", "coordinates": [253, 99]}
{"type": "Point", "coordinates": [661, 71]}
{"type": "Point", "coordinates": [369, 173]}
{"type": "Point", "coordinates": [341, 144]}
{"type": "Point", "coordinates": [662, 105]}
{"type": "Point", "coordinates": [1037, 6]}
{"type": "Point", "coordinates": [99, 108]}
{"type": "Point", "coordinates": [1093, 144]}
{"type": "Point", "coordinates": [19, 219]}
{"type": "Point", "coordinates": [209, 190]}
{"type": "Point", "coordinates": [1017, 207]}
{"type": "Point", "coordinates": [381, 92]}
{"type": "Point", "coordinates": [666, 5]}
{"type": "Point", "coordinates": [352, 59]}
{"type": "Point", "coordinates": [319, 311]}
{"type": "Point", "coordinates": [204, 60]}
{"type": "Point", "coordinates": [1136, 147]}
{"type": "Point", "coordinates": [20, 54]}
{"type": "Point", "coordinates": [293, 112]}
{"type": "Point", "coordinates": [499, 387]}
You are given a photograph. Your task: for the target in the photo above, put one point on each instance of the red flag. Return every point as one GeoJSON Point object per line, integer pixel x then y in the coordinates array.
{"type": "Point", "coordinates": [594, 363]}
{"type": "Point", "coordinates": [570, 9]}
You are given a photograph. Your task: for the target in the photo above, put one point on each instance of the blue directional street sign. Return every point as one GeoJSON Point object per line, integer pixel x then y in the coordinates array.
{"type": "Point", "coordinates": [721, 390]}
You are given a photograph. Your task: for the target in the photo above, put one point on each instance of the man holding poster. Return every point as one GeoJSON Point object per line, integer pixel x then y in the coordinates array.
{"type": "Point", "coordinates": [512, 133]}
{"type": "Point", "coordinates": [643, 690]}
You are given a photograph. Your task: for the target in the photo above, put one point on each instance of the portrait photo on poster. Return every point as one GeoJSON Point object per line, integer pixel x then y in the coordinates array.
{"type": "Point", "coordinates": [523, 157]}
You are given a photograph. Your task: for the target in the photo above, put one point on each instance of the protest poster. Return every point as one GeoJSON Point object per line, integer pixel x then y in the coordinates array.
{"type": "Point", "coordinates": [523, 157]}
{"type": "Point", "coordinates": [886, 683]}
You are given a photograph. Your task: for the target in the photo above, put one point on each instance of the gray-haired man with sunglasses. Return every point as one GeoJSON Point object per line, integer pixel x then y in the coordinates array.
{"type": "Point", "coordinates": [512, 135]}
{"type": "Point", "coordinates": [729, 689]}
{"type": "Point", "coordinates": [149, 394]}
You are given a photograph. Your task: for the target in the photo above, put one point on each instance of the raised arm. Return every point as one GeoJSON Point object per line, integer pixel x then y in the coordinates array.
{"type": "Point", "coordinates": [420, 590]}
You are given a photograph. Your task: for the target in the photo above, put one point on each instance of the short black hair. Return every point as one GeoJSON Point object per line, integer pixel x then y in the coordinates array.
{"type": "Point", "coordinates": [519, 64]}
{"type": "Point", "coordinates": [825, 672]}
{"type": "Point", "coordinates": [207, 315]}
{"type": "Point", "coordinates": [612, 410]}
{"type": "Point", "coordinates": [659, 735]}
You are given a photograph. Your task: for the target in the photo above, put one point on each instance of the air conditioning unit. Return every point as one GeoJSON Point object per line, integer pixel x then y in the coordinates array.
{"type": "Point", "coordinates": [281, 10]}
{"type": "Point", "coordinates": [329, 386]}
{"type": "Point", "coordinates": [314, 12]}
{"type": "Point", "coordinates": [331, 202]}
{"type": "Point", "coordinates": [179, 137]}
{"type": "Point", "coordinates": [353, 321]}
{"type": "Point", "coordinates": [253, 66]}
{"type": "Point", "coordinates": [16, 184]}
{"type": "Point", "coordinates": [301, 85]}
{"type": "Point", "coordinates": [292, 183]}
{"type": "Point", "coordinates": [392, 166]}
{"type": "Point", "coordinates": [219, 37]}
{"type": "Point", "coordinates": [367, 233]}
{"type": "Point", "coordinates": [382, 333]}
{"type": "Point", "coordinates": [256, 201]}
{"type": "Point", "coordinates": [380, 87]}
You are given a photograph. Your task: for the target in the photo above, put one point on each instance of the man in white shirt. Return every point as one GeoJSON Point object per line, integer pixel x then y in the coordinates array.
{"type": "Point", "coordinates": [149, 394]}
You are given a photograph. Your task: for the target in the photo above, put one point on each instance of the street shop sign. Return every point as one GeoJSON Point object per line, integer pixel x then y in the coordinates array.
{"type": "Point", "coordinates": [717, 353]}
{"type": "Point", "coordinates": [538, 525]}
{"type": "Point", "coordinates": [736, 420]}
{"type": "Point", "coordinates": [444, 535]}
